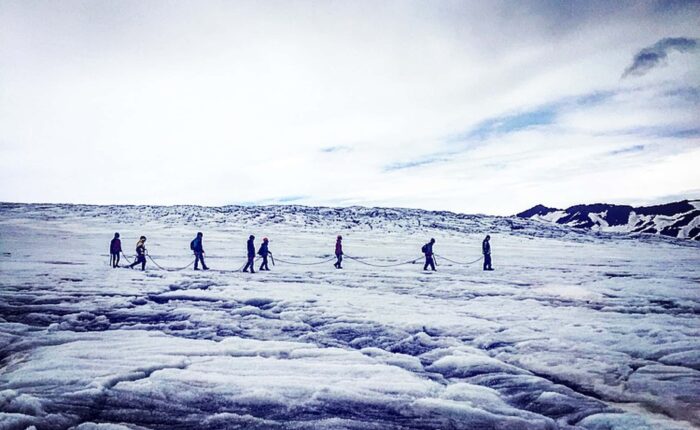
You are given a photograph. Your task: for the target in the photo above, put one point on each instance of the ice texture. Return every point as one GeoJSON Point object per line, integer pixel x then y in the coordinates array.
{"type": "Point", "coordinates": [573, 330]}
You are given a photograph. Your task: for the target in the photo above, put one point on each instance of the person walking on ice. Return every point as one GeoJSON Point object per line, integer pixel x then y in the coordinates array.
{"type": "Point", "coordinates": [486, 250]}
{"type": "Point", "coordinates": [115, 248]}
{"type": "Point", "coordinates": [338, 252]}
{"type": "Point", "coordinates": [140, 254]}
{"type": "Point", "coordinates": [198, 249]}
{"type": "Point", "coordinates": [264, 251]}
{"type": "Point", "coordinates": [251, 255]}
{"type": "Point", "coordinates": [429, 258]}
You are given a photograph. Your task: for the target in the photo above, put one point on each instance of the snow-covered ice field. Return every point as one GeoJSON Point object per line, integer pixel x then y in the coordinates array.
{"type": "Point", "coordinates": [572, 330]}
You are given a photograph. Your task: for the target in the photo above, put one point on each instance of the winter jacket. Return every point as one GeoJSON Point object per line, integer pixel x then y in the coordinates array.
{"type": "Point", "coordinates": [115, 246]}
{"type": "Point", "coordinates": [141, 248]}
{"type": "Point", "coordinates": [428, 249]}
{"type": "Point", "coordinates": [486, 247]}
{"type": "Point", "coordinates": [338, 247]}
{"type": "Point", "coordinates": [251, 248]}
{"type": "Point", "coordinates": [263, 251]}
{"type": "Point", "coordinates": [197, 245]}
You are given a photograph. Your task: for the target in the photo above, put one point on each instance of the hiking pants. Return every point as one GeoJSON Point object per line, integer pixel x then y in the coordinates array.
{"type": "Point", "coordinates": [115, 259]}
{"type": "Point", "coordinates": [199, 257]}
{"type": "Point", "coordinates": [487, 262]}
{"type": "Point", "coordinates": [263, 265]}
{"type": "Point", "coordinates": [250, 263]}
{"type": "Point", "coordinates": [139, 259]}
{"type": "Point", "coordinates": [429, 262]}
{"type": "Point", "coordinates": [339, 258]}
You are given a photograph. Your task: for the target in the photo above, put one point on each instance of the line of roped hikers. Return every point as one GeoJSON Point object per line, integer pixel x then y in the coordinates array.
{"type": "Point", "coordinates": [115, 249]}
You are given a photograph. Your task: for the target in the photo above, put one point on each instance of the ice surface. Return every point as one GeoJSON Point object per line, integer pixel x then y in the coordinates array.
{"type": "Point", "coordinates": [572, 330]}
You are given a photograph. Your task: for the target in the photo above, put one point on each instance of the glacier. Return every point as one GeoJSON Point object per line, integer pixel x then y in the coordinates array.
{"type": "Point", "coordinates": [575, 329]}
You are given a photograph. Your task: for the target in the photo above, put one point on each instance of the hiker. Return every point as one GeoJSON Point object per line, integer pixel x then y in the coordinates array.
{"type": "Point", "coordinates": [115, 248]}
{"type": "Point", "coordinates": [264, 252]}
{"type": "Point", "coordinates": [198, 249]}
{"type": "Point", "coordinates": [486, 249]}
{"type": "Point", "coordinates": [251, 255]}
{"type": "Point", "coordinates": [338, 252]}
{"type": "Point", "coordinates": [427, 249]}
{"type": "Point", "coordinates": [140, 254]}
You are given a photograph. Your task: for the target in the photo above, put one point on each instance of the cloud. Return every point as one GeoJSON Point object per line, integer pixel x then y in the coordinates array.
{"type": "Point", "coordinates": [343, 103]}
{"type": "Point", "coordinates": [656, 54]}
{"type": "Point", "coordinates": [413, 163]}
{"type": "Point", "coordinates": [628, 150]}
{"type": "Point", "coordinates": [338, 148]}
{"type": "Point", "coordinates": [510, 123]}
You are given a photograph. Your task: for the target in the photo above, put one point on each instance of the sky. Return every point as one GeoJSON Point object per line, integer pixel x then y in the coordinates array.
{"type": "Point", "coordinates": [476, 107]}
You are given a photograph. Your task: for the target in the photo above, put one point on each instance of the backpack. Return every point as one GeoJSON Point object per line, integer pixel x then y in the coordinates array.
{"type": "Point", "coordinates": [424, 249]}
{"type": "Point", "coordinates": [192, 244]}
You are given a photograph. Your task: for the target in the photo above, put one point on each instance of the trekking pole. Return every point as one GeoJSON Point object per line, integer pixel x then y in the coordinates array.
{"type": "Point", "coordinates": [272, 259]}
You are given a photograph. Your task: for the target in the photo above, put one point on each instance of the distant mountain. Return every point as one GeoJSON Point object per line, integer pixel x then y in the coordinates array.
{"type": "Point", "coordinates": [678, 219]}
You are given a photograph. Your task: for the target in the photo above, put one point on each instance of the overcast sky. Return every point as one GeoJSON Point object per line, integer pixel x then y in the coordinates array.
{"type": "Point", "coordinates": [479, 107]}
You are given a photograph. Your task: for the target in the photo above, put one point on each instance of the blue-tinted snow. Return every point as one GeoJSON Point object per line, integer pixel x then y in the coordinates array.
{"type": "Point", "coordinates": [573, 329]}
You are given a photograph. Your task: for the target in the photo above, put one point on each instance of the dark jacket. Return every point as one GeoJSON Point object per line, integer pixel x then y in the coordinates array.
{"type": "Point", "coordinates": [197, 245]}
{"type": "Point", "coordinates": [115, 246]}
{"type": "Point", "coordinates": [428, 249]}
{"type": "Point", "coordinates": [140, 249]}
{"type": "Point", "coordinates": [486, 247]}
{"type": "Point", "coordinates": [251, 248]}
{"type": "Point", "coordinates": [338, 247]}
{"type": "Point", "coordinates": [263, 251]}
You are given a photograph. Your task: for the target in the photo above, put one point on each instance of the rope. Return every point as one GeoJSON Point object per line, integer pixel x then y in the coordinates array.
{"type": "Point", "coordinates": [305, 264]}
{"type": "Point", "coordinates": [166, 269]}
{"type": "Point", "coordinates": [459, 262]}
{"type": "Point", "coordinates": [126, 258]}
{"type": "Point", "coordinates": [359, 260]}
{"type": "Point", "coordinates": [383, 265]}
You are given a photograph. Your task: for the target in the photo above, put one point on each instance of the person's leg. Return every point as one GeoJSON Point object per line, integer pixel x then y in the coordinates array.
{"type": "Point", "coordinates": [143, 262]}
{"type": "Point", "coordinates": [340, 261]}
{"type": "Point", "coordinates": [111, 260]}
{"type": "Point", "coordinates": [118, 257]}
{"type": "Point", "coordinates": [247, 264]}
{"type": "Point", "coordinates": [251, 261]}
{"type": "Point", "coordinates": [201, 259]}
{"type": "Point", "coordinates": [427, 262]}
{"type": "Point", "coordinates": [262, 265]}
{"type": "Point", "coordinates": [432, 263]}
{"type": "Point", "coordinates": [196, 261]}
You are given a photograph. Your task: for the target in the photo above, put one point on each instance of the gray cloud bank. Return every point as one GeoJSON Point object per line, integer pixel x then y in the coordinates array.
{"type": "Point", "coordinates": [656, 54]}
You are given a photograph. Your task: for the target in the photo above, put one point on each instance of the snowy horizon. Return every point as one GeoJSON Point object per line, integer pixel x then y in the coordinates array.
{"type": "Point", "coordinates": [461, 106]}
